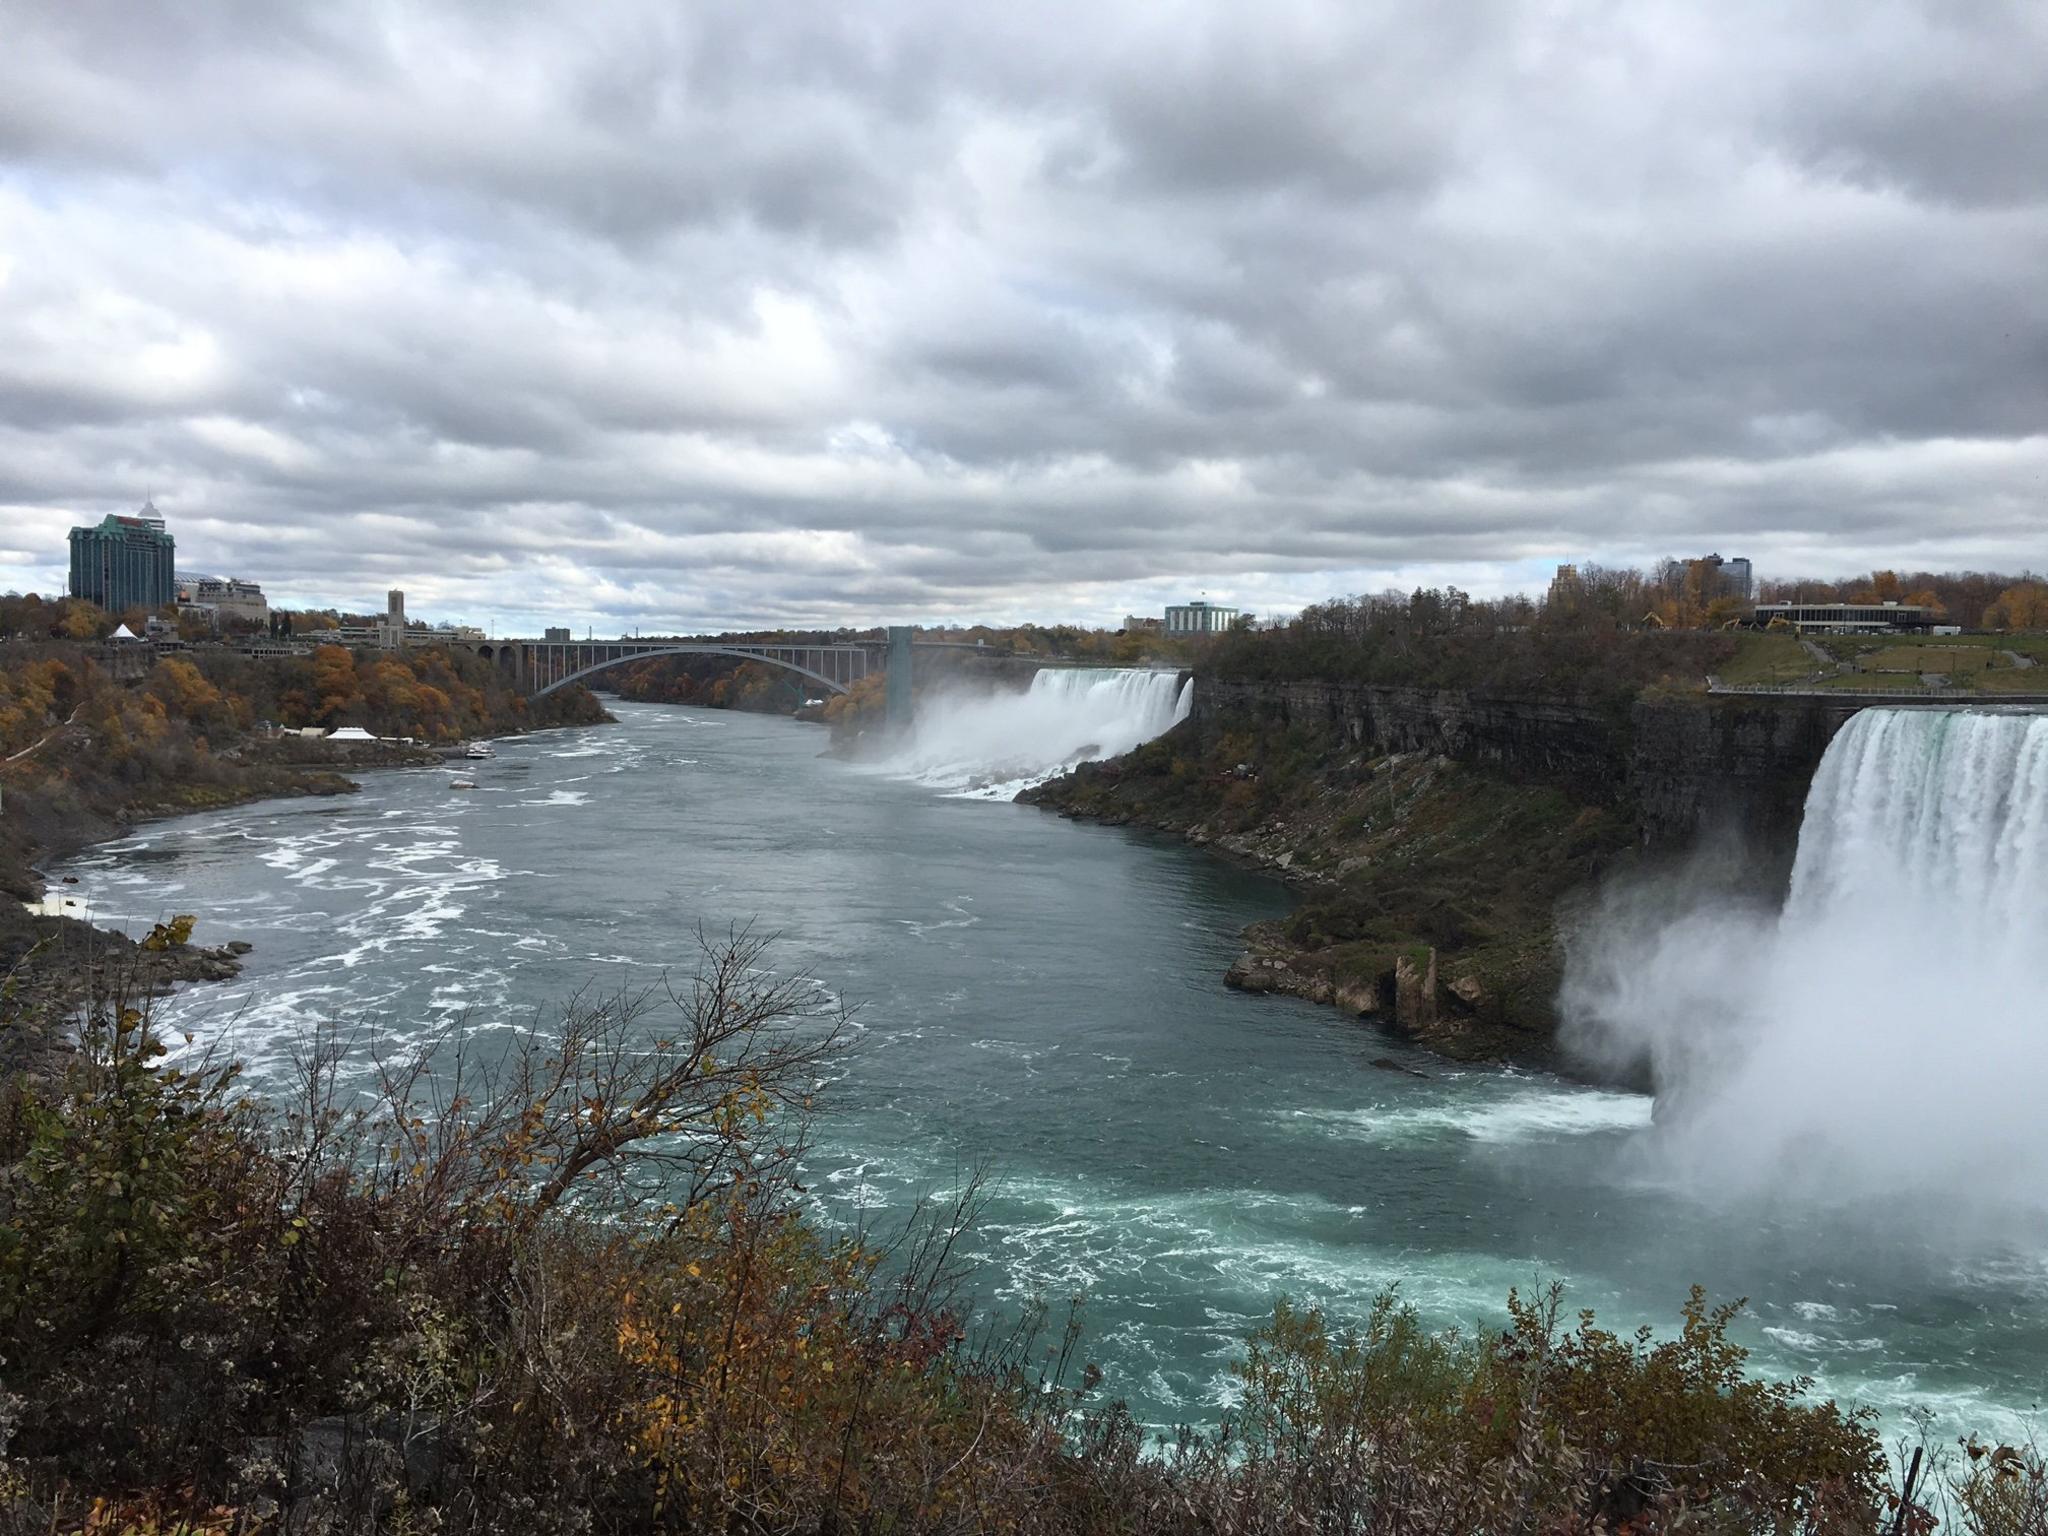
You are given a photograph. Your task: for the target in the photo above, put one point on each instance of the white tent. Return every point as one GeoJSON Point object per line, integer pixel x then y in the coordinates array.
{"type": "Point", "coordinates": [124, 633]}
{"type": "Point", "coordinates": [350, 733]}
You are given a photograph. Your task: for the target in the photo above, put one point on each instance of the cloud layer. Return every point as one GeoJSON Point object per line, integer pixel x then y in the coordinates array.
{"type": "Point", "coordinates": [729, 313]}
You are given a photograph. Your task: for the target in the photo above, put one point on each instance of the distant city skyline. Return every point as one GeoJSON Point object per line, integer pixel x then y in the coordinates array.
{"type": "Point", "coordinates": [1746, 584]}
{"type": "Point", "coordinates": [723, 317]}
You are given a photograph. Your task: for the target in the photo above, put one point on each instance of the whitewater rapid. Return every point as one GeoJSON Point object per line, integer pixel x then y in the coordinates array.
{"type": "Point", "coordinates": [992, 745]}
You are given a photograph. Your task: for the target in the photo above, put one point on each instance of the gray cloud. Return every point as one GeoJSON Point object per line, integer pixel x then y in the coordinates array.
{"type": "Point", "coordinates": [725, 314]}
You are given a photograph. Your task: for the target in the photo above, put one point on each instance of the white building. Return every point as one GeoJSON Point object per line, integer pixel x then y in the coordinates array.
{"type": "Point", "coordinates": [1200, 617]}
{"type": "Point", "coordinates": [222, 598]}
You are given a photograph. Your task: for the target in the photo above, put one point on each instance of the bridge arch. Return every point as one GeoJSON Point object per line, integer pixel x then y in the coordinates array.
{"type": "Point", "coordinates": [691, 650]}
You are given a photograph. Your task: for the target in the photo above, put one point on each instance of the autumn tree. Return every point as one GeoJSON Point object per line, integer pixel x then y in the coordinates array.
{"type": "Point", "coordinates": [81, 620]}
{"type": "Point", "coordinates": [32, 698]}
{"type": "Point", "coordinates": [2023, 606]}
{"type": "Point", "coordinates": [1883, 587]}
{"type": "Point", "coordinates": [185, 693]}
{"type": "Point", "coordinates": [335, 684]}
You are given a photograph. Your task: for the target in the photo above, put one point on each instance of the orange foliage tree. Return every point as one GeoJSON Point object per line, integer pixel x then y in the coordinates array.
{"type": "Point", "coordinates": [2024, 606]}
{"type": "Point", "coordinates": [335, 684]}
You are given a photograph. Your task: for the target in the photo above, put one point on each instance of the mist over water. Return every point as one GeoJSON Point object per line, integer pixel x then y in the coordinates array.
{"type": "Point", "coordinates": [1885, 1037]}
{"type": "Point", "coordinates": [992, 745]}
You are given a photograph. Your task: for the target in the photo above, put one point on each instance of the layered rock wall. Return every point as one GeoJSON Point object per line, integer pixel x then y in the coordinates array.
{"type": "Point", "coordinates": [1679, 763]}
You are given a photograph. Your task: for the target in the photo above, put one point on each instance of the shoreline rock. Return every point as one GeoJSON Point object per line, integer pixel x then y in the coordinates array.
{"type": "Point", "coordinates": [1427, 891]}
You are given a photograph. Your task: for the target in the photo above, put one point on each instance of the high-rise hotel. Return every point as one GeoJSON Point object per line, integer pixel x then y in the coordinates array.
{"type": "Point", "coordinates": [125, 562]}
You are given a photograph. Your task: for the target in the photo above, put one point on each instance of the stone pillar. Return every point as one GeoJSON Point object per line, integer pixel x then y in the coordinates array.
{"type": "Point", "coordinates": [1415, 992]}
{"type": "Point", "coordinates": [898, 678]}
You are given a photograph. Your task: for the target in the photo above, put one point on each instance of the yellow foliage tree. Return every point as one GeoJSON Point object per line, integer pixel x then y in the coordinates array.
{"type": "Point", "coordinates": [186, 693]}
{"type": "Point", "coordinates": [335, 684]}
{"type": "Point", "coordinates": [81, 620]}
{"type": "Point", "coordinates": [2021, 607]}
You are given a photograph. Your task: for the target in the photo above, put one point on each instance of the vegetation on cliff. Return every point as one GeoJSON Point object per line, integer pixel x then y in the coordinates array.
{"type": "Point", "coordinates": [712, 682]}
{"type": "Point", "coordinates": [92, 737]}
{"type": "Point", "coordinates": [1444, 639]}
{"type": "Point", "coordinates": [1429, 886]}
{"type": "Point", "coordinates": [571, 1287]}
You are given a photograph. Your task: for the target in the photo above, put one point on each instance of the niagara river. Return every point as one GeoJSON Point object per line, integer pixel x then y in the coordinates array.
{"type": "Point", "coordinates": [1045, 999]}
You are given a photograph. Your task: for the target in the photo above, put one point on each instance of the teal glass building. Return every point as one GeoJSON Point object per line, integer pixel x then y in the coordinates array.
{"type": "Point", "coordinates": [125, 562]}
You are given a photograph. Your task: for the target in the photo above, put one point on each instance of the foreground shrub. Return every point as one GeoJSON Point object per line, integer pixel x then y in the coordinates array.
{"type": "Point", "coordinates": [571, 1288]}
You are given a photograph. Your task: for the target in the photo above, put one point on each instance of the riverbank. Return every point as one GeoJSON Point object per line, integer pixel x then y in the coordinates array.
{"type": "Point", "coordinates": [1429, 890]}
{"type": "Point", "coordinates": [91, 754]}
{"type": "Point", "coordinates": [54, 960]}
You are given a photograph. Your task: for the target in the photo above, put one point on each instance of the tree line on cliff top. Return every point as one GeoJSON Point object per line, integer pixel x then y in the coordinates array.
{"type": "Point", "coordinates": [213, 699]}
{"type": "Point", "coordinates": [575, 1284]}
{"type": "Point", "coordinates": [1600, 635]}
{"type": "Point", "coordinates": [82, 748]}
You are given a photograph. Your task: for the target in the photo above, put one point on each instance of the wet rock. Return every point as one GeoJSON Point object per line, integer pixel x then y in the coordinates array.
{"type": "Point", "coordinates": [1415, 1002]}
{"type": "Point", "coordinates": [1388, 1064]}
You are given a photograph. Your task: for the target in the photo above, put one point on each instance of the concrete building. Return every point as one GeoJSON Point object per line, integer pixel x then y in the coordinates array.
{"type": "Point", "coordinates": [1200, 617]}
{"type": "Point", "coordinates": [1731, 577]}
{"type": "Point", "coordinates": [1847, 618]}
{"type": "Point", "coordinates": [125, 562]}
{"type": "Point", "coordinates": [556, 634]}
{"type": "Point", "coordinates": [391, 633]}
{"type": "Point", "coordinates": [348, 634]}
{"type": "Point", "coordinates": [224, 599]}
{"type": "Point", "coordinates": [1136, 625]}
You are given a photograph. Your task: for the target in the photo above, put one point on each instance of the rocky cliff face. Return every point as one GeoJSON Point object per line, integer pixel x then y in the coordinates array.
{"type": "Point", "coordinates": [1677, 764]}
{"type": "Point", "coordinates": [1437, 835]}
{"type": "Point", "coordinates": [1696, 763]}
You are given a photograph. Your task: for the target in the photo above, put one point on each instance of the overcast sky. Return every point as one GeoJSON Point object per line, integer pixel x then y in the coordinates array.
{"type": "Point", "coordinates": [688, 315]}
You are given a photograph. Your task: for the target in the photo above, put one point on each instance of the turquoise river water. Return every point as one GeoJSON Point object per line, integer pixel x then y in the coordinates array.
{"type": "Point", "coordinates": [1047, 997]}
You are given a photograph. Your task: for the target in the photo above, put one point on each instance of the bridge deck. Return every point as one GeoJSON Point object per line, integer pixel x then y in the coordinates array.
{"type": "Point", "coordinates": [543, 666]}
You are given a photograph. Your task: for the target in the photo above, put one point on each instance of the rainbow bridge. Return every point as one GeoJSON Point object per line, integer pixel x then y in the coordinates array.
{"type": "Point", "coordinates": [540, 667]}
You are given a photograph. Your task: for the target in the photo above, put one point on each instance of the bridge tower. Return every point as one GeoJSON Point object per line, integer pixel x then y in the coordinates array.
{"type": "Point", "coordinates": [897, 694]}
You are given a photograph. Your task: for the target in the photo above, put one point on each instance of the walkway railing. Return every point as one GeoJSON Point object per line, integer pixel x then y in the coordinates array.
{"type": "Point", "coordinates": [1874, 695]}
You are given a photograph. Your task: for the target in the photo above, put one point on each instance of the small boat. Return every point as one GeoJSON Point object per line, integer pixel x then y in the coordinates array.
{"type": "Point", "coordinates": [479, 749]}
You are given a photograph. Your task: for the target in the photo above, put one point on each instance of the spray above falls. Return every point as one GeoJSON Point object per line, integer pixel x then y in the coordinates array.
{"type": "Point", "coordinates": [995, 744]}
{"type": "Point", "coordinates": [1886, 1034]}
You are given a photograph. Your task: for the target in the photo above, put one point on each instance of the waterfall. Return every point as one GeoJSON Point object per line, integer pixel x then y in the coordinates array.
{"type": "Point", "coordinates": [1886, 1033]}
{"type": "Point", "coordinates": [1921, 814]}
{"type": "Point", "coordinates": [993, 745]}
